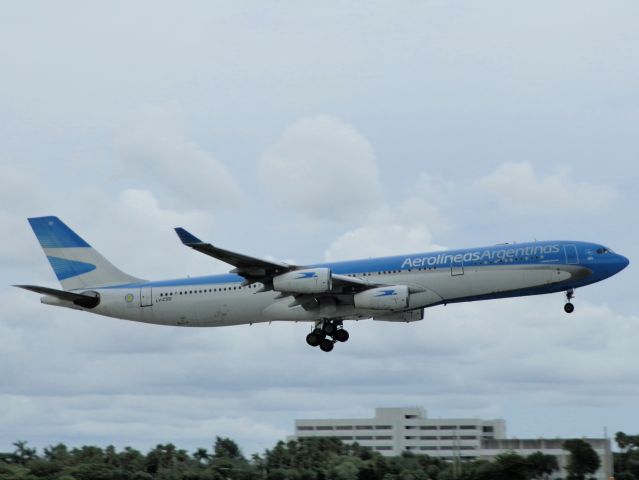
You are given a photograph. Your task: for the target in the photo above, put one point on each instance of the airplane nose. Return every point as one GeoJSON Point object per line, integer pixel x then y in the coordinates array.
{"type": "Point", "coordinates": [624, 262]}
{"type": "Point", "coordinates": [618, 263]}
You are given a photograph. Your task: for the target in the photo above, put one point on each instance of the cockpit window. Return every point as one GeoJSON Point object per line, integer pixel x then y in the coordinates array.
{"type": "Point", "coordinates": [603, 250]}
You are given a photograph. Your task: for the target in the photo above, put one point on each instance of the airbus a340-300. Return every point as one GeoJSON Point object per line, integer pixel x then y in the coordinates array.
{"type": "Point", "coordinates": [395, 289]}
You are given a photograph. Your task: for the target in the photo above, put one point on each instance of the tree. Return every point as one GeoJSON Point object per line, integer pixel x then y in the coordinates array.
{"type": "Point", "coordinates": [627, 464]}
{"type": "Point", "coordinates": [161, 457]}
{"type": "Point", "coordinates": [131, 460]}
{"type": "Point", "coordinates": [506, 466]}
{"type": "Point", "coordinates": [22, 453]}
{"type": "Point", "coordinates": [541, 465]}
{"type": "Point", "coordinates": [87, 454]}
{"type": "Point", "coordinates": [201, 455]}
{"type": "Point", "coordinates": [226, 448]}
{"type": "Point", "coordinates": [583, 459]}
{"type": "Point", "coordinates": [57, 453]}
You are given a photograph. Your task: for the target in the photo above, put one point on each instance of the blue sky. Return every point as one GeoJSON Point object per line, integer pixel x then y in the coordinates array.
{"type": "Point", "coordinates": [305, 132]}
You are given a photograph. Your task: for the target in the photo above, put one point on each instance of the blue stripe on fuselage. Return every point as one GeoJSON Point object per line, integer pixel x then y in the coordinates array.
{"type": "Point", "coordinates": [507, 254]}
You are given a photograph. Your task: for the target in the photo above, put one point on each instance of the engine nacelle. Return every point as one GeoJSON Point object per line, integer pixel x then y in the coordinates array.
{"type": "Point", "coordinates": [394, 297]}
{"type": "Point", "coordinates": [312, 280]}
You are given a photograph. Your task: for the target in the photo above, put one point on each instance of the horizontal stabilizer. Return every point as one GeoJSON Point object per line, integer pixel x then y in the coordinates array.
{"type": "Point", "coordinates": [82, 300]}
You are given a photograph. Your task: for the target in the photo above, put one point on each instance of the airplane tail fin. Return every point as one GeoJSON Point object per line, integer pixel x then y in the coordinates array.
{"type": "Point", "coordinates": [74, 261]}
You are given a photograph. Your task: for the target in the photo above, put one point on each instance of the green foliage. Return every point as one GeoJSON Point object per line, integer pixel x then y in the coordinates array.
{"type": "Point", "coordinates": [541, 465]}
{"type": "Point", "coordinates": [22, 453]}
{"type": "Point", "coordinates": [302, 459]}
{"type": "Point", "coordinates": [583, 459]}
{"type": "Point", "coordinates": [627, 461]}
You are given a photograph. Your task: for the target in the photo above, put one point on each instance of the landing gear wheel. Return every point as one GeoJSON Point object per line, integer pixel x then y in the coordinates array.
{"type": "Point", "coordinates": [569, 308]}
{"type": "Point", "coordinates": [341, 335]}
{"type": "Point", "coordinates": [326, 345]}
{"type": "Point", "coordinates": [313, 339]}
{"type": "Point", "coordinates": [330, 328]}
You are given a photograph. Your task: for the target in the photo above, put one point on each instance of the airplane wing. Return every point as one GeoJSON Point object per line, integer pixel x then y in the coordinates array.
{"type": "Point", "coordinates": [251, 268]}
{"type": "Point", "coordinates": [258, 270]}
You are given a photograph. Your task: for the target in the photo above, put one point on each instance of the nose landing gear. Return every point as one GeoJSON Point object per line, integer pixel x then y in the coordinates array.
{"type": "Point", "coordinates": [326, 333]}
{"type": "Point", "coordinates": [569, 307]}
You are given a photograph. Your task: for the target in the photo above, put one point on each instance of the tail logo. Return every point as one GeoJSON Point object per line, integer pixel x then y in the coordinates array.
{"type": "Point", "coordinates": [387, 293]}
{"type": "Point", "coordinates": [65, 268]}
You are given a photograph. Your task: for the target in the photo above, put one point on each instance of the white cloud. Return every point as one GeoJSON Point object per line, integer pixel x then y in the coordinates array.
{"type": "Point", "coordinates": [517, 187]}
{"type": "Point", "coordinates": [393, 230]}
{"type": "Point", "coordinates": [324, 168]}
{"type": "Point", "coordinates": [156, 149]}
{"type": "Point", "coordinates": [383, 235]}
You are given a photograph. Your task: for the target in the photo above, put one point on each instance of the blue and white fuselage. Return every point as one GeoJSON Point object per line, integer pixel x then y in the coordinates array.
{"type": "Point", "coordinates": [394, 288]}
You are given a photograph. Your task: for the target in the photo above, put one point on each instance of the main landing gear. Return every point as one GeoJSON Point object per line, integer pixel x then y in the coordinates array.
{"type": "Point", "coordinates": [569, 307]}
{"type": "Point", "coordinates": [326, 333]}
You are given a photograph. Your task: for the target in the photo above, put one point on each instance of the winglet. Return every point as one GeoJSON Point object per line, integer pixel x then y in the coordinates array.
{"type": "Point", "coordinates": [186, 237]}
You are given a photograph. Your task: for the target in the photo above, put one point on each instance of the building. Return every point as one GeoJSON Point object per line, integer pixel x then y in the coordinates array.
{"type": "Point", "coordinates": [492, 448]}
{"type": "Point", "coordinates": [395, 430]}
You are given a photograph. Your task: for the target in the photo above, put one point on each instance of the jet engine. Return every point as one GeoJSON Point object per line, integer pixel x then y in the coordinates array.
{"type": "Point", "coordinates": [393, 297]}
{"type": "Point", "coordinates": [313, 280]}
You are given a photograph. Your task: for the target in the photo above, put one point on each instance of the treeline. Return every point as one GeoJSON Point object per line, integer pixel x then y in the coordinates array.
{"type": "Point", "coordinates": [303, 459]}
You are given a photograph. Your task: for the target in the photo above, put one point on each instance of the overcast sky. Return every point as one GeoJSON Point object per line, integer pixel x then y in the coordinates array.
{"type": "Point", "coordinates": [306, 131]}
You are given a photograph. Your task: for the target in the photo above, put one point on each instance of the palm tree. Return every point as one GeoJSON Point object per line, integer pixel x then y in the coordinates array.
{"type": "Point", "coordinates": [201, 455]}
{"type": "Point", "coordinates": [23, 453]}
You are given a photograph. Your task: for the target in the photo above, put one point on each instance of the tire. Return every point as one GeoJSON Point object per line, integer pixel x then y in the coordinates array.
{"type": "Point", "coordinates": [569, 308]}
{"type": "Point", "coordinates": [313, 340]}
{"type": "Point", "coordinates": [330, 328]}
{"type": "Point", "coordinates": [326, 345]}
{"type": "Point", "coordinates": [341, 335]}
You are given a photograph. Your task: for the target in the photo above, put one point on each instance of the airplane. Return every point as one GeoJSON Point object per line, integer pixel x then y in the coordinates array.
{"type": "Point", "coordinates": [394, 289]}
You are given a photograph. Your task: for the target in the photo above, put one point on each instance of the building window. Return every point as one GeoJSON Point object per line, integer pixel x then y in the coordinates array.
{"type": "Point", "coordinates": [363, 427]}
{"type": "Point", "coordinates": [364, 437]}
{"type": "Point", "coordinates": [383, 427]}
{"type": "Point", "coordinates": [408, 417]}
{"type": "Point", "coordinates": [428, 448]}
{"type": "Point", "coordinates": [305, 428]}
{"type": "Point", "coordinates": [468, 437]}
{"type": "Point", "coordinates": [428, 437]}
{"type": "Point", "coordinates": [468, 427]}
{"type": "Point", "coordinates": [428, 427]}
{"type": "Point", "coordinates": [343, 427]}
{"type": "Point", "coordinates": [324, 427]}
{"type": "Point", "coordinates": [447, 427]}
{"type": "Point", "coordinates": [379, 449]}
{"type": "Point", "coordinates": [383, 437]}
{"type": "Point", "coordinates": [488, 429]}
